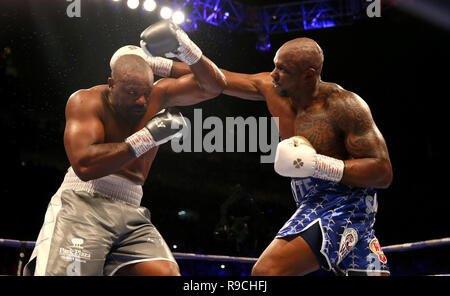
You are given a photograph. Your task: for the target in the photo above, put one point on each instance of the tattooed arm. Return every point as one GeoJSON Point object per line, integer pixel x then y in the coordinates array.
{"type": "Point", "coordinates": [369, 165]}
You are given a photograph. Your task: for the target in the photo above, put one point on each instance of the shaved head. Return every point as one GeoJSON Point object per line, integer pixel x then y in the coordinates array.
{"type": "Point", "coordinates": [304, 52]}
{"type": "Point", "coordinates": [298, 66]}
{"type": "Point", "coordinates": [128, 66]}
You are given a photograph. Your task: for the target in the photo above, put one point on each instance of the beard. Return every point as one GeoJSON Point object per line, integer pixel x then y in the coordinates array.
{"type": "Point", "coordinates": [281, 92]}
{"type": "Point", "coordinates": [136, 113]}
{"type": "Point", "coordinates": [130, 114]}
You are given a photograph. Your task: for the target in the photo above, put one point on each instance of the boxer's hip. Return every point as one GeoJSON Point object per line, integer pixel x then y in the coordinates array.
{"type": "Point", "coordinates": [112, 186]}
{"type": "Point", "coordinates": [94, 228]}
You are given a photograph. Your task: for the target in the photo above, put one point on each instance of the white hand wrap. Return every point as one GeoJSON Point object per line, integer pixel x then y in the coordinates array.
{"type": "Point", "coordinates": [188, 51]}
{"type": "Point", "coordinates": [160, 66]}
{"type": "Point", "coordinates": [140, 142]}
{"type": "Point", "coordinates": [328, 168]}
{"type": "Point", "coordinates": [295, 157]}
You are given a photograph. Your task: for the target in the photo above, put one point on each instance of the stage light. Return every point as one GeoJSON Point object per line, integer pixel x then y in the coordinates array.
{"type": "Point", "coordinates": [263, 43]}
{"type": "Point", "coordinates": [133, 4]}
{"type": "Point", "coordinates": [178, 17]}
{"type": "Point", "coordinates": [149, 5]}
{"type": "Point", "coordinates": [166, 12]}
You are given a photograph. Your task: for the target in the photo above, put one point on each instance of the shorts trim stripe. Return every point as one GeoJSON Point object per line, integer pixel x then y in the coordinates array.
{"type": "Point", "coordinates": [41, 251]}
{"type": "Point", "coordinates": [369, 272]}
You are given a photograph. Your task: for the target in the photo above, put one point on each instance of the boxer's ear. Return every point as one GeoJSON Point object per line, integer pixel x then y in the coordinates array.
{"type": "Point", "coordinates": [309, 73]}
{"type": "Point", "coordinates": [110, 82]}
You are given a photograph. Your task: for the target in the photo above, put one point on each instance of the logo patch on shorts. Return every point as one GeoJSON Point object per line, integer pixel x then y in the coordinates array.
{"type": "Point", "coordinates": [376, 248]}
{"type": "Point", "coordinates": [348, 242]}
{"type": "Point", "coordinates": [77, 242]}
{"type": "Point", "coordinates": [74, 255]}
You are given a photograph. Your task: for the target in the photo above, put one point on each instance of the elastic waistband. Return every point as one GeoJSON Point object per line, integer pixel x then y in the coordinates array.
{"type": "Point", "coordinates": [302, 187]}
{"type": "Point", "coordinates": [111, 186]}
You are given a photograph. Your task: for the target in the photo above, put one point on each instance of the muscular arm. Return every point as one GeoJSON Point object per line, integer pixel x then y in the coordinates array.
{"type": "Point", "coordinates": [245, 86]}
{"type": "Point", "coordinates": [204, 82]}
{"type": "Point", "coordinates": [83, 140]}
{"type": "Point", "coordinates": [370, 165]}
{"type": "Point", "coordinates": [179, 69]}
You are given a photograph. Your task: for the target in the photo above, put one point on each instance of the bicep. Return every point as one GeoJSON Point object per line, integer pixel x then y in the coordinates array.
{"type": "Point", "coordinates": [362, 137]}
{"type": "Point", "coordinates": [368, 144]}
{"type": "Point", "coordinates": [184, 91]}
{"type": "Point", "coordinates": [83, 128]}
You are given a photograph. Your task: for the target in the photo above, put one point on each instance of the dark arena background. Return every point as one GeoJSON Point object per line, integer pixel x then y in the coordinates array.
{"type": "Point", "coordinates": [394, 54]}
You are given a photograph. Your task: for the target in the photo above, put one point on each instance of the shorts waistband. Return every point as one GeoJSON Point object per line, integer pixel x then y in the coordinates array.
{"type": "Point", "coordinates": [111, 186]}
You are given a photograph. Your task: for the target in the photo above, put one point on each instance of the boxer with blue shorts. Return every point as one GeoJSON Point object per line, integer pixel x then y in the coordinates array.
{"type": "Point", "coordinates": [330, 138]}
{"type": "Point", "coordinates": [336, 157]}
{"type": "Point", "coordinates": [336, 220]}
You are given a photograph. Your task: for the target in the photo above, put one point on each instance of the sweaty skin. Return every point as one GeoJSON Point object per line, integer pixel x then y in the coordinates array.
{"type": "Point", "coordinates": [100, 118]}
{"type": "Point", "coordinates": [337, 122]}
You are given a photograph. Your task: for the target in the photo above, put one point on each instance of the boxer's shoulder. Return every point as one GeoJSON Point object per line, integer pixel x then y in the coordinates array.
{"type": "Point", "coordinates": [92, 99]}
{"type": "Point", "coordinates": [159, 89]}
{"type": "Point", "coordinates": [162, 83]}
{"type": "Point", "coordinates": [263, 80]}
{"type": "Point", "coordinates": [341, 99]}
{"type": "Point", "coordinates": [347, 108]}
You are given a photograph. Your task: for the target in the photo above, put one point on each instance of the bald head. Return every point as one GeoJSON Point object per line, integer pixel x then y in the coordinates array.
{"type": "Point", "coordinates": [298, 65]}
{"type": "Point", "coordinates": [304, 52]}
{"type": "Point", "coordinates": [128, 66]}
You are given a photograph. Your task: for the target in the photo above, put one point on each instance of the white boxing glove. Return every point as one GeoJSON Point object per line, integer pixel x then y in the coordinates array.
{"type": "Point", "coordinates": [295, 157]}
{"type": "Point", "coordinates": [160, 66]}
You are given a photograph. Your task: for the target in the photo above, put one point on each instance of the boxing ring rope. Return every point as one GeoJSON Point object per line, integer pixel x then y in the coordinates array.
{"type": "Point", "coordinates": [222, 258]}
{"type": "Point", "coordinates": [16, 243]}
{"type": "Point", "coordinates": [417, 245]}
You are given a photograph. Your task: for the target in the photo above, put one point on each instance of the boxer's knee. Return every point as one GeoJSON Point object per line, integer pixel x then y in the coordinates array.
{"type": "Point", "coordinates": [165, 268]}
{"type": "Point", "coordinates": [171, 270]}
{"type": "Point", "coordinates": [151, 268]}
{"type": "Point", "coordinates": [265, 268]}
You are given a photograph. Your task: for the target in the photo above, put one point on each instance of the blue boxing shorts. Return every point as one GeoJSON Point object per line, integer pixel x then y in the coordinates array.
{"type": "Point", "coordinates": [337, 221]}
